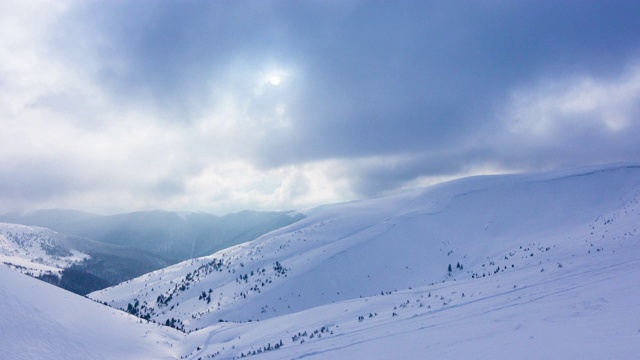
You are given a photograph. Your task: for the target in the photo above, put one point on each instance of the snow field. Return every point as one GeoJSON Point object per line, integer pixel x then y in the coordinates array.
{"type": "Point", "coordinates": [541, 266]}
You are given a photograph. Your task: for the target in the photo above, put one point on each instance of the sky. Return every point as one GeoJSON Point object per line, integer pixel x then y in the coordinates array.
{"type": "Point", "coordinates": [220, 106]}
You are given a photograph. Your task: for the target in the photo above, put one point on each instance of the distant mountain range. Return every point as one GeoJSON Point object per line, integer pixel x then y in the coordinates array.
{"type": "Point", "coordinates": [119, 247]}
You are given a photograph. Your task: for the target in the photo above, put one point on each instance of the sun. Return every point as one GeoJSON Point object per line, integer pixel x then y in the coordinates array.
{"type": "Point", "coordinates": [274, 79]}
{"type": "Point", "coordinates": [275, 76]}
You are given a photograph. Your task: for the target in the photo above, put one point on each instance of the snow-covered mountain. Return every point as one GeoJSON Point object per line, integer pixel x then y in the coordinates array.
{"type": "Point", "coordinates": [36, 251]}
{"type": "Point", "coordinates": [73, 263]}
{"type": "Point", "coordinates": [527, 266]}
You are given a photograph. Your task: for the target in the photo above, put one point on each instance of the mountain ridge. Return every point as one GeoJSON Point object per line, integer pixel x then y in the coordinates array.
{"type": "Point", "coordinates": [492, 209]}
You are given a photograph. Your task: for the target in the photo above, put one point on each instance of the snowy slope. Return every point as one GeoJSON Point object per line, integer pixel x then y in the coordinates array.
{"type": "Point", "coordinates": [77, 264]}
{"type": "Point", "coordinates": [41, 321]}
{"type": "Point", "coordinates": [545, 260]}
{"type": "Point", "coordinates": [36, 251]}
{"type": "Point", "coordinates": [585, 310]}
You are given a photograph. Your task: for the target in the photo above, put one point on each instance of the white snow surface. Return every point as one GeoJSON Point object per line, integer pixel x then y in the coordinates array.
{"type": "Point", "coordinates": [542, 266]}
{"type": "Point", "coordinates": [41, 321]}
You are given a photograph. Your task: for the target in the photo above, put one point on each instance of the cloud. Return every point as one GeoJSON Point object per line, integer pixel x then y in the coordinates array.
{"type": "Point", "coordinates": [217, 106]}
{"type": "Point", "coordinates": [428, 76]}
{"type": "Point", "coordinates": [574, 119]}
{"type": "Point", "coordinates": [609, 104]}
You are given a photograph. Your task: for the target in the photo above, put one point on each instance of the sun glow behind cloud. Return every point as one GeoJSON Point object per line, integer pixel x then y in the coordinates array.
{"type": "Point", "coordinates": [272, 77]}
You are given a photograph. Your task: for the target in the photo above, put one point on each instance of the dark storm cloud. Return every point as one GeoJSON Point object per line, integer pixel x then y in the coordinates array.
{"type": "Point", "coordinates": [424, 77]}
{"type": "Point", "coordinates": [389, 69]}
{"type": "Point", "coordinates": [393, 91]}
